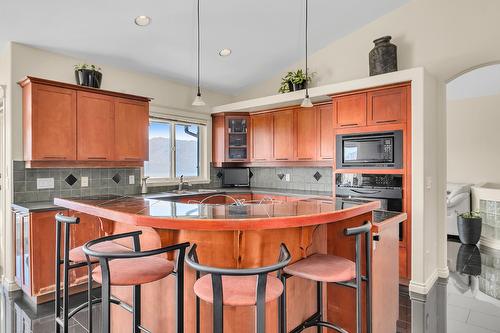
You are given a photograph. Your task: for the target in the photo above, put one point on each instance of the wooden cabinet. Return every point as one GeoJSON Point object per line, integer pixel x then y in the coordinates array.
{"type": "Point", "coordinates": [230, 138]}
{"type": "Point", "coordinates": [305, 134]}
{"type": "Point", "coordinates": [66, 125]}
{"type": "Point", "coordinates": [283, 135]}
{"type": "Point", "coordinates": [95, 127]}
{"type": "Point", "coordinates": [131, 130]}
{"type": "Point", "coordinates": [35, 251]}
{"type": "Point", "coordinates": [386, 106]}
{"type": "Point", "coordinates": [324, 128]}
{"type": "Point", "coordinates": [50, 124]}
{"type": "Point", "coordinates": [349, 110]}
{"type": "Point", "coordinates": [262, 137]}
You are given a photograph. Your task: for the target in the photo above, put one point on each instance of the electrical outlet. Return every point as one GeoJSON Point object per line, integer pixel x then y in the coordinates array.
{"type": "Point", "coordinates": [44, 183]}
{"type": "Point", "coordinates": [287, 177]}
{"type": "Point", "coordinates": [85, 181]}
{"type": "Point", "coordinates": [131, 180]}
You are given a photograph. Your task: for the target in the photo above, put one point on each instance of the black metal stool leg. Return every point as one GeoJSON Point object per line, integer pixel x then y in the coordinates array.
{"type": "Point", "coordinates": [137, 308]}
{"type": "Point", "coordinates": [89, 296]}
{"type": "Point", "coordinates": [218, 309]}
{"type": "Point", "coordinates": [320, 303]}
{"type": "Point", "coordinates": [58, 276]}
{"type": "Point", "coordinates": [282, 306]}
{"type": "Point", "coordinates": [261, 303]}
{"type": "Point", "coordinates": [66, 279]}
{"type": "Point", "coordinates": [180, 290]}
{"type": "Point", "coordinates": [106, 297]}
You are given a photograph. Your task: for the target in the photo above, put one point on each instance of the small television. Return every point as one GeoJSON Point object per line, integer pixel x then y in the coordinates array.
{"type": "Point", "coordinates": [236, 177]}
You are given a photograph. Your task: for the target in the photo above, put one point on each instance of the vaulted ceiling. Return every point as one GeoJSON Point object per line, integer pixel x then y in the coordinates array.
{"type": "Point", "coordinates": [265, 36]}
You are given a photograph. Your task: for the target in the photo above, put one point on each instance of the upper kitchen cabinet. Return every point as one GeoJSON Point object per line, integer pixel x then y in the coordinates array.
{"type": "Point", "coordinates": [283, 135]}
{"type": "Point", "coordinates": [262, 130]}
{"type": "Point", "coordinates": [66, 125]}
{"type": "Point", "coordinates": [49, 122]}
{"type": "Point", "coordinates": [387, 106]}
{"type": "Point", "coordinates": [131, 130]}
{"type": "Point", "coordinates": [230, 138]}
{"type": "Point", "coordinates": [349, 110]}
{"type": "Point", "coordinates": [324, 118]}
{"type": "Point", "coordinates": [95, 123]}
{"type": "Point", "coordinates": [306, 134]}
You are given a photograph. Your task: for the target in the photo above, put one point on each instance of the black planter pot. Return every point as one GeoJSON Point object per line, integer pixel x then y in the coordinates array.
{"type": "Point", "coordinates": [88, 78]}
{"type": "Point", "coordinates": [299, 86]}
{"type": "Point", "coordinates": [383, 57]}
{"type": "Point", "coordinates": [290, 86]}
{"type": "Point", "coordinates": [469, 229]}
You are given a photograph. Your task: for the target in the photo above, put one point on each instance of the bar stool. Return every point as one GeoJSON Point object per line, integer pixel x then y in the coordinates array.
{"type": "Point", "coordinates": [329, 268]}
{"type": "Point", "coordinates": [134, 268]}
{"type": "Point", "coordinates": [236, 287]}
{"type": "Point", "coordinates": [72, 259]}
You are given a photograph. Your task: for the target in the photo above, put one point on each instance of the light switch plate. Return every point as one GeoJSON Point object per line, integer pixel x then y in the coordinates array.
{"type": "Point", "coordinates": [131, 180]}
{"type": "Point", "coordinates": [85, 181]}
{"type": "Point", "coordinates": [44, 183]}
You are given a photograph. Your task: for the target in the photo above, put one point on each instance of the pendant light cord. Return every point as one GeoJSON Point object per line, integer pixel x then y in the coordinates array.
{"type": "Point", "coordinates": [307, 15]}
{"type": "Point", "coordinates": [198, 11]}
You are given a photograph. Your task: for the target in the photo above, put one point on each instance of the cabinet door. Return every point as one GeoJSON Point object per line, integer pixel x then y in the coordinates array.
{"type": "Point", "coordinates": [95, 124]}
{"type": "Point", "coordinates": [387, 106]}
{"type": "Point", "coordinates": [349, 111]}
{"type": "Point", "coordinates": [262, 137]}
{"type": "Point", "coordinates": [237, 138]}
{"type": "Point", "coordinates": [325, 132]}
{"type": "Point", "coordinates": [306, 134]}
{"type": "Point", "coordinates": [43, 238]}
{"type": "Point", "coordinates": [283, 135]}
{"type": "Point", "coordinates": [218, 135]}
{"type": "Point", "coordinates": [131, 130]}
{"type": "Point", "coordinates": [53, 125]}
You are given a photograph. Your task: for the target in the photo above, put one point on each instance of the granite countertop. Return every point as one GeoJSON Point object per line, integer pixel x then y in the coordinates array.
{"type": "Point", "coordinates": [49, 205]}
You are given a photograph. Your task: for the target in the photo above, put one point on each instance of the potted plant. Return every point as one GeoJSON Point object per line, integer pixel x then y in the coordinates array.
{"type": "Point", "coordinates": [294, 81]}
{"type": "Point", "coordinates": [88, 75]}
{"type": "Point", "coordinates": [469, 227]}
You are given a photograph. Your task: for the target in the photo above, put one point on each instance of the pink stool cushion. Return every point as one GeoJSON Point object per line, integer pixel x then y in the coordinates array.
{"type": "Point", "coordinates": [323, 268]}
{"type": "Point", "coordinates": [135, 271]}
{"type": "Point", "coordinates": [77, 255]}
{"type": "Point", "coordinates": [238, 290]}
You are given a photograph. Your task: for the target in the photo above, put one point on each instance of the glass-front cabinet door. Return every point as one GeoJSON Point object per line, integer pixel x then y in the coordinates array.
{"type": "Point", "coordinates": [237, 138]}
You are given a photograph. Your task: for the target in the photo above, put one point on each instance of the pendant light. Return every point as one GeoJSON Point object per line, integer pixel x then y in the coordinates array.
{"type": "Point", "coordinates": [198, 101]}
{"type": "Point", "coordinates": [306, 102]}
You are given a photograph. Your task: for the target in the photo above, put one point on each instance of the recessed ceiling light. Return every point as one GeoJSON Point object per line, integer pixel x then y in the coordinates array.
{"type": "Point", "coordinates": [142, 20]}
{"type": "Point", "coordinates": [225, 52]}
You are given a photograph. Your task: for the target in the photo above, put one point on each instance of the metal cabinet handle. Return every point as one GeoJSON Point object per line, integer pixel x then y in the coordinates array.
{"type": "Point", "coordinates": [96, 158]}
{"type": "Point", "coordinates": [386, 121]}
{"type": "Point", "coordinates": [376, 237]}
{"type": "Point", "coordinates": [54, 157]}
{"type": "Point", "coordinates": [345, 125]}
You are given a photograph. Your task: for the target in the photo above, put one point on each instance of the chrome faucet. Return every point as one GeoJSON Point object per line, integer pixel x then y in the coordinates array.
{"type": "Point", "coordinates": [182, 182]}
{"type": "Point", "coordinates": [144, 185]}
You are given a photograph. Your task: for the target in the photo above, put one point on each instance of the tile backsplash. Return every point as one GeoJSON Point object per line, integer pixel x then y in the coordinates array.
{"type": "Point", "coordinates": [68, 182]}
{"type": "Point", "coordinates": [308, 179]}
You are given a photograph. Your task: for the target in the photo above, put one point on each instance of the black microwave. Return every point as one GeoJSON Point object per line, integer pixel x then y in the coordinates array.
{"type": "Point", "coordinates": [370, 150]}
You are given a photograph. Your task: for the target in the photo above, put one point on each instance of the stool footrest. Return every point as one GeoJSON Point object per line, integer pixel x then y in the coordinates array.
{"type": "Point", "coordinates": [315, 321]}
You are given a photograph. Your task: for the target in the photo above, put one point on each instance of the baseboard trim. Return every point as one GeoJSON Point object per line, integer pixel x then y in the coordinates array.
{"type": "Point", "coordinates": [424, 288]}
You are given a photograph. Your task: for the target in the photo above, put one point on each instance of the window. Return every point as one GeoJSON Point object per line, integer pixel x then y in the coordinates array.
{"type": "Point", "coordinates": [175, 149]}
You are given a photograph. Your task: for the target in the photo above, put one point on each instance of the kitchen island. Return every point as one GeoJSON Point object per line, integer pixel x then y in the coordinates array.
{"type": "Point", "coordinates": [239, 231]}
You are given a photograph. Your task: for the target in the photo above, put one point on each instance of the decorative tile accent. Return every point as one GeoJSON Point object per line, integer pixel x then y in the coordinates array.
{"type": "Point", "coordinates": [251, 174]}
{"type": "Point", "coordinates": [317, 176]}
{"type": "Point", "coordinates": [219, 174]}
{"type": "Point", "coordinates": [116, 178]}
{"type": "Point", "coordinates": [70, 180]}
{"type": "Point", "coordinates": [280, 176]}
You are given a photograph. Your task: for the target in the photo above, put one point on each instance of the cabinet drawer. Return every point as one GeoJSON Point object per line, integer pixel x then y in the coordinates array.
{"type": "Point", "coordinates": [349, 111]}
{"type": "Point", "coordinates": [387, 106]}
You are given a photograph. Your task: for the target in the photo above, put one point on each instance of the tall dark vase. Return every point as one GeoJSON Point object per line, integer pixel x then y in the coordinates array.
{"type": "Point", "coordinates": [88, 78]}
{"type": "Point", "coordinates": [383, 57]}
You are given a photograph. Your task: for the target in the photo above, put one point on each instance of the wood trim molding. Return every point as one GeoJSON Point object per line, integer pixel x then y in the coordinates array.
{"type": "Point", "coordinates": [84, 164]}
{"type": "Point", "coordinates": [395, 85]}
{"type": "Point", "coordinates": [32, 79]}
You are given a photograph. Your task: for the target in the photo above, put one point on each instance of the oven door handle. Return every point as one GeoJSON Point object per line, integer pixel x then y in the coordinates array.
{"type": "Point", "coordinates": [366, 192]}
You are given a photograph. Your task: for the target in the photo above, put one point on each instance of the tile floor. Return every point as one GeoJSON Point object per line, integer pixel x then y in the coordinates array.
{"type": "Point", "coordinates": [467, 302]}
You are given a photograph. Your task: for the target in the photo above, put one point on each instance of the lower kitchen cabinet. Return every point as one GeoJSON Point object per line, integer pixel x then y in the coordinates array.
{"type": "Point", "coordinates": [35, 234]}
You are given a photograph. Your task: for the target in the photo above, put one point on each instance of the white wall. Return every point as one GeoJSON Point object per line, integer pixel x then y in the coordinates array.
{"type": "Point", "coordinates": [443, 36]}
{"type": "Point", "coordinates": [473, 138]}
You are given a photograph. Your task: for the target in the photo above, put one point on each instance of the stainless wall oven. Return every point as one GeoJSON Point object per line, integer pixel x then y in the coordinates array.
{"type": "Point", "coordinates": [370, 150]}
